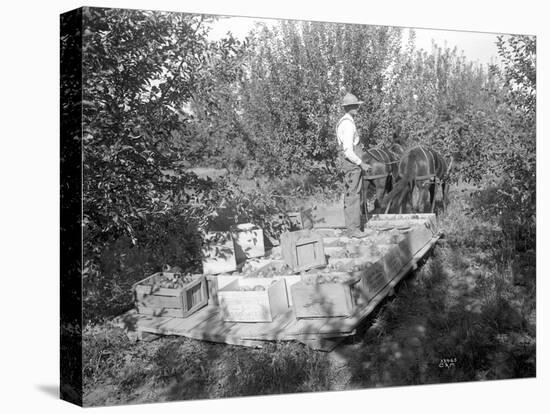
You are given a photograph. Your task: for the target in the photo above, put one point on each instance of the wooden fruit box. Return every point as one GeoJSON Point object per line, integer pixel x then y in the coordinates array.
{"type": "Point", "coordinates": [302, 250]}
{"type": "Point", "coordinates": [393, 261]}
{"type": "Point", "coordinates": [344, 264]}
{"type": "Point", "coordinates": [179, 302]}
{"type": "Point", "coordinates": [418, 236]}
{"type": "Point", "coordinates": [325, 216]}
{"type": "Point", "coordinates": [401, 220]}
{"type": "Point", "coordinates": [372, 280]}
{"type": "Point", "coordinates": [321, 300]}
{"type": "Point", "coordinates": [333, 234]}
{"type": "Point", "coordinates": [252, 266]}
{"type": "Point", "coordinates": [248, 240]}
{"type": "Point", "coordinates": [376, 276]}
{"type": "Point", "coordinates": [416, 230]}
{"type": "Point", "coordinates": [359, 252]}
{"type": "Point", "coordinates": [296, 220]}
{"type": "Point", "coordinates": [249, 305]}
{"type": "Point", "coordinates": [218, 253]}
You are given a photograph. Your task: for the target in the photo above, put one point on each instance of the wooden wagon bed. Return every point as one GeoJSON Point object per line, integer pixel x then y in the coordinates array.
{"type": "Point", "coordinates": [319, 333]}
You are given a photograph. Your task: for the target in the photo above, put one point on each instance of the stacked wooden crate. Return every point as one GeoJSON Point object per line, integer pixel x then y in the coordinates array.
{"type": "Point", "coordinates": [218, 253]}
{"type": "Point", "coordinates": [267, 300]}
{"type": "Point", "coordinates": [368, 269]}
{"type": "Point", "coordinates": [248, 241]}
{"type": "Point", "coordinates": [338, 275]}
{"type": "Point", "coordinates": [321, 299]}
{"type": "Point", "coordinates": [253, 299]}
{"type": "Point", "coordinates": [160, 295]}
{"type": "Point", "coordinates": [330, 215]}
{"type": "Point", "coordinates": [223, 252]}
{"type": "Point", "coordinates": [303, 250]}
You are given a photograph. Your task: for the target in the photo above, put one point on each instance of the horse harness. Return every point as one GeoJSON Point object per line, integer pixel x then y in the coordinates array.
{"type": "Point", "coordinates": [382, 157]}
{"type": "Point", "coordinates": [431, 165]}
{"type": "Point", "coordinates": [432, 176]}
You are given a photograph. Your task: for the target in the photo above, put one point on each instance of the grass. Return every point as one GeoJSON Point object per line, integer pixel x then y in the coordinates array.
{"type": "Point", "coordinates": [174, 368]}
{"type": "Point", "coordinates": [468, 314]}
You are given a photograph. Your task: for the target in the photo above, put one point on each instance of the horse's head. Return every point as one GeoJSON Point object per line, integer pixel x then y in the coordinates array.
{"type": "Point", "coordinates": [393, 203]}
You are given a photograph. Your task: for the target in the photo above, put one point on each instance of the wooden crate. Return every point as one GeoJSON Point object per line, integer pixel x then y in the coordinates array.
{"type": "Point", "coordinates": [418, 237]}
{"type": "Point", "coordinates": [405, 251]}
{"type": "Point", "coordinates": [424, 217]}
{"type": "Point", "coordinates": [215, 283]}
{"type": "Point", "coordinates": [321, 300]}
{"type": "Point", "coordinates": [376, 276]}
{"type": "Point", "coordinates": [372, 280]}
{"type": "Point", "coordinates": [218, 253]}
{"type": "Point", "coordinates": [174, 302]}
{"type": "Point", "coordinates": [421, 229]}
{"type": "Point", "coordinates": [302, 250]}
{"type": "Point", "coordinates": [393, 262]}
{"type": "Point", "coordinates": [325, 216]}
{"type": "Point", "coordinates": [428, 221]}
{"type": "Point", "coordinates": [296, 220]}
{"type": "Point", "coordinates": [239, 305]}
{"type": "Point", "coordinates": [248, 241]}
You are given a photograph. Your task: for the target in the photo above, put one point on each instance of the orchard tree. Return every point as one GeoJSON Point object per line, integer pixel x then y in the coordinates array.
{"type": "Point", "coordinates": [297, 74]}
{"type": "Point", "coordinates": [216, 129]}
{"type": "Point", "coordinates": [517, 144]}
{"type": "Point", "coordinates": [519, 72]}
{"type": "Point", "coordinates": [140, 68]}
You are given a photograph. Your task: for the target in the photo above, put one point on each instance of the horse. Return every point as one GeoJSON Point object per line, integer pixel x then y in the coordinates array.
{"type": "Point", "coordinates": [384, 171]}
{"type": "Point", "coordinates": [421, 168]}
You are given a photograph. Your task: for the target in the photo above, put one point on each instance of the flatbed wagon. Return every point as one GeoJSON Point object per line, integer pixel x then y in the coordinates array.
{"type": "Point", "coordinates": [318, 307]}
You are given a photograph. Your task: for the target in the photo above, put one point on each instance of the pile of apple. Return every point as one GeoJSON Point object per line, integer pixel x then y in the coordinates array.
{"type": "Point", "coordinates": [257, 288]}
{"type": "Point", "coordinates": [274, 270]}
{"type": "Point", "coordinates": [170, 280]}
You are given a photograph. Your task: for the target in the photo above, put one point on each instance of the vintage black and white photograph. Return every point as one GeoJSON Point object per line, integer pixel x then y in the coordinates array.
{"type": "Point", "coordinates": [274, 206]}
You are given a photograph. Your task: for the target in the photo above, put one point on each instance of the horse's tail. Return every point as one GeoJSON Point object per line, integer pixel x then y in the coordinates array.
{"type": "Point", "coordinates": [403, 186]}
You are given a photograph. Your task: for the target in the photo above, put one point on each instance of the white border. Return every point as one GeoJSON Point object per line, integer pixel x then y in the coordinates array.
{"type": "Point", "coordinates": [30, 206]}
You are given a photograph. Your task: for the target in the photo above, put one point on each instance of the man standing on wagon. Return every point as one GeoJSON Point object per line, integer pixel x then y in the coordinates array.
{"type": "Point", "coordinates": [351, 165]}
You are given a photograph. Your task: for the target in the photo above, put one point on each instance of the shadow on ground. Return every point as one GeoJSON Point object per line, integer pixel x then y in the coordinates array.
{"type": "Point", "coordinates": [437, 332]}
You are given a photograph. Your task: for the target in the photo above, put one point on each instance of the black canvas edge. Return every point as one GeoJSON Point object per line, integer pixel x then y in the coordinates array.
{"type": "Point", "coordinates": [71, 207]}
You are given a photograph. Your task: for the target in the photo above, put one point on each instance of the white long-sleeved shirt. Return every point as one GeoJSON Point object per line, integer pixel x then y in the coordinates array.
{"type": "Point", "coordinates": [347, 136]}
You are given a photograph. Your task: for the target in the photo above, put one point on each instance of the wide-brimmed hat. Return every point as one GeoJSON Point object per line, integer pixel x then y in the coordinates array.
{"type": "Point", "coordinates": [351, 99]}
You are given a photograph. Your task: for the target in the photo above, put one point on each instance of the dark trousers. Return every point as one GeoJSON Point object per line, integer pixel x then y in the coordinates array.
{"type": "Point", "coordinates": [352, 194]}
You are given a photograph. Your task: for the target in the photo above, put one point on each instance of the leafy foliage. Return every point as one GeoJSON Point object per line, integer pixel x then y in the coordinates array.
{"type": "Point", "coordinates": [138, 68]}
{"type": "Point", "coordinates": [144, 72]}
{"type": "Point", "coordinates": [519, 73]}
{"type": "Point", "coordinates": [297, 74]}
{"type": "Point", "coordinates": [159, 97]}
{"type": "Point", "coordinates": [515, 148]}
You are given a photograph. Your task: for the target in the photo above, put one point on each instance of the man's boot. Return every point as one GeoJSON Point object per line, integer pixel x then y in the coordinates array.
{"type": "Point", "coordinates": [356, 233]}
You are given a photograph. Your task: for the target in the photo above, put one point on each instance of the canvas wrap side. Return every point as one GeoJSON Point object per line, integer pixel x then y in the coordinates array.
{"type": "Point", "coordinates": [71, 207]}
